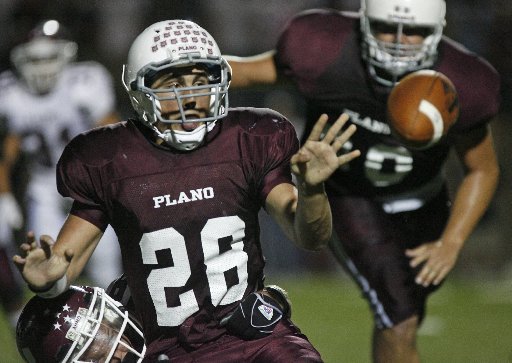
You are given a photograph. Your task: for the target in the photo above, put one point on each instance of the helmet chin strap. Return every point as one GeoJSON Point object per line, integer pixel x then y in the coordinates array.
{"type": "Point", "coordinates": [185, 140]}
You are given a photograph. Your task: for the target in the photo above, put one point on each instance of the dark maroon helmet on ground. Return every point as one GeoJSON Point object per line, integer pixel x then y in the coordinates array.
{"type": "Point", "coordinates": [82, 324]}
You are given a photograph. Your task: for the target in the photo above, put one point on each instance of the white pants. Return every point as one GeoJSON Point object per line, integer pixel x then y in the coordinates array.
{"type": "Point", "coordinates": [47, 211]}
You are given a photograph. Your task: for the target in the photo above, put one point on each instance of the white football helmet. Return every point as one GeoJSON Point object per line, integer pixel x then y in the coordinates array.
{"type": "Point", "coordinates": [388, 61]}
{"type": "Point", "coordinates": [160, 48]}
{"type": "Point", "coordinates": [41, 59]}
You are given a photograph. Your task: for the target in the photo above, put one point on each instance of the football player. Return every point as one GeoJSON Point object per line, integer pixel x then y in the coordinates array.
{"type": "Point", "coordinates": [46, 99]}
{"type": "Point", "coordinates": [83, 324]}
{"type": "Point", "coordinates": [396, 233]}
{"type": "Point", "coordinates": [182, 185]}
{"type": "Point", "coordinates": [11, 287]}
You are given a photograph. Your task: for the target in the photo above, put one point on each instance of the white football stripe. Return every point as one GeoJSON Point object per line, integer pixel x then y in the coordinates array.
{"type": "Point", "coordinates": [435, 118]}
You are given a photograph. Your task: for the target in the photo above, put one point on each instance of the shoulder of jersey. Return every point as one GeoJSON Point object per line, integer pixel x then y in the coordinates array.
{"type": "Point", "coordinates": [476, 81]}
{"type": "Point", "coordinates": [8, 80]}
{"type": "Point", "coordinates": [78, 71]}
{"type": "Point", "coordinates": [91, 66]}
{"type": "Point", "coordinates": [101, 143]}
{"type": "Point", "coordinates": [258, 121]}
{"type": "Point", "coordinates": [324, 13]}
{"type": "Point", "coordinates": [456, 54]}
{"type": "Point", "coordinates": [328, 24]}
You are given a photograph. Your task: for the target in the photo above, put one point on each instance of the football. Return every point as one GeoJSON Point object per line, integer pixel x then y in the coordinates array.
{"type": "Point", "coordinates": [421, 108]}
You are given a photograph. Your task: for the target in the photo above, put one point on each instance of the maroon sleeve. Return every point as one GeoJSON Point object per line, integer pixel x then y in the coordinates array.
{"type": "Point", "coordinates": [81, 182]}
{"type": "Point", "coordinates": [281, 147]}
{"type": "Point", "coordinates": [269, 143]}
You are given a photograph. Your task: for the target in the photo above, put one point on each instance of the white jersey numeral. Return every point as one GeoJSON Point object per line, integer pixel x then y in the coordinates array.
{"type": "Point", "coordinates": [387, 165]}
{"type": "Point", "coordinates": [225, 228]}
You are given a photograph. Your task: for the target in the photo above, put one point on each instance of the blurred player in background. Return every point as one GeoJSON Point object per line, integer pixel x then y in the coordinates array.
{"type": "Point", "coordinates": [182, 185]}
{"type": "Point", "coordinates": [46, 99]}
{"type": "Point", "coordinates": [11, 219]}
{"type": "Point", "coordinates": [396, 233]}
{"type": "Point", "coordinates": [83, 324]}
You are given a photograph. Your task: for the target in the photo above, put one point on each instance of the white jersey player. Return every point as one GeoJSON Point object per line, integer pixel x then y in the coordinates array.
{"type": "Point", "coordinates": [47, 99]}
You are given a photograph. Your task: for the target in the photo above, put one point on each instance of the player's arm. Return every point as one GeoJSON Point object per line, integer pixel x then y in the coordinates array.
{"type": "Point", "coordinates": [10, 153]}
{"type": "Point", "coordinates": [10, 211]}
{"type": "Point", "coordinates": [478, 185]}
{"type": "Point", "coordinates": [304, 212]}
{"type": "Point", "coordinates": [253, 70]}
{"type": "Point", "coordinates": [473, 196]}
{"type": "Point", "coordinates": [305, 216]}
{"type": "Point", "coordinates": [50, 266]}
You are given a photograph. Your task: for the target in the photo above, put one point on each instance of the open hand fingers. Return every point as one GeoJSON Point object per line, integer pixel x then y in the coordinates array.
{"type": "Point", "coordinates": [332, 134]}
{"type": "Point", "coordinates": [30, 237]}
{"type": "Point", "coordinates": [344, 137]}
{"type": "Point", "coordinates": [431, 275]}
{"type": "Point", "coordinates": [440, 276]}
{"type": "Point", "coordinates": [345, 158]}
{"type": "Point", "coordinates": [25, 248]}
{"type": "Point", "coordinates": [317, 130]}
{"type": "Point", "coordinates": [18, 261]}
{"type": "Point", "coordinates": [47, 245]}
{"type": "Point", "coordinates": [418, 255]}
{"type": "Point", "coordinates": [29, 244]}
{"type": "Point", "coordinates": [300, 157]}
{"type": "Point", "coordinates": [434, 268]}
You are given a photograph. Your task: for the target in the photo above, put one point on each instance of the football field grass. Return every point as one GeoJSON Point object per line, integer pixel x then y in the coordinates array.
{"type": "Point", "coordinates": [467, 322]}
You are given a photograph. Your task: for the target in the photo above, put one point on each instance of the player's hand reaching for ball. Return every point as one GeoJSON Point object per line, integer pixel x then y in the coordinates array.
{"type": "Point", "coordinates": [317, 159]}
{"type": "Point", "coordinates": [39, 265]}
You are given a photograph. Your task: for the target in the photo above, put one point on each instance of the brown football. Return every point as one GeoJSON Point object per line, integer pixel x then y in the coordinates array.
{"type": "Point", "coordinates": [422, 107]}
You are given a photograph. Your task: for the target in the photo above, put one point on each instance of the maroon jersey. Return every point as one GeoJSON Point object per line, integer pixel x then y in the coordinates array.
{"type": "Point", "coordinates": [320, 50]}
{"type": "Point", "coordinates": [187, 222]}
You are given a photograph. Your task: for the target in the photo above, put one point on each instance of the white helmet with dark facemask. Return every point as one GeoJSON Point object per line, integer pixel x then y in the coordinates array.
{"type": "Point", "coordinates": [165, 47]}
{"type": "Point", "coordinates": [42, 58]}
{"type": "Point", "coordinates": [388, 61]}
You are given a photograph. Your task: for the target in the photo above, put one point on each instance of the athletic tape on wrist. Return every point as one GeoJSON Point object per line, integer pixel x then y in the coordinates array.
{"type": "Point", "coordinates": [57, 288]}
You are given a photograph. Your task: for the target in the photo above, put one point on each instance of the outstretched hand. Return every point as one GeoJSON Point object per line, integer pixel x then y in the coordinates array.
{"type": "Point", "coordinates": [438, 260]}
{"type": "Point", "coordinates": [38, 264]}
{"type": "Point", "coordinates": [317, 159]}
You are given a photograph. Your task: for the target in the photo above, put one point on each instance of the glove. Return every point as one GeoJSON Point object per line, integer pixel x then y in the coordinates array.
{"type": "Point", "coordinates": [258, 314]}
{"type": "Point", "coordinates": [10, 216]}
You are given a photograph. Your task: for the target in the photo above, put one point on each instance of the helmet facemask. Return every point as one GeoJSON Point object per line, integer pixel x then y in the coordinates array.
{"type": "Point", "coordinates": [388, 61]}
{"type": "Point", "coordinates": [173, 59]}
{"type": "Point", "coordinates": [104, 330]}
{"type": "Point", "coordinates": [40, 60]}
{"type": "Point", "coordinates": [83, 324]}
